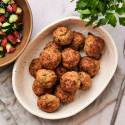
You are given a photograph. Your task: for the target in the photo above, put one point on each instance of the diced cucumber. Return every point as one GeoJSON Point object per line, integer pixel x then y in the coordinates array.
{"type": "Point", "coordinates": [1, 37]}
{"type": "Point", "coordinates": [4, 30]}
{"type": "Point", "coordinates": [2, 5]}
{"type": "Point", "coordinates": [6, 1]}
{"type": "Point", "coordinates": [1, 48]}
{"type": "Point", "coordinates": [11, 2]}
{"type": "Point", "coordinates": [1, 52]}
{"type": "Point", "coordinates": [13, 18]}
{"type": "Point", "coordinates": [14, 26]}
{"type": "Point", "coordinates": [2, 11]}
{"type": "Point", "coordinates": [19, 10]}
{"type": "Point", "coordinates": [5, 25]}
{"type": "Point", "coordinates": [8, 30]}
{"type": "Point", "coordinates": [7, 14]}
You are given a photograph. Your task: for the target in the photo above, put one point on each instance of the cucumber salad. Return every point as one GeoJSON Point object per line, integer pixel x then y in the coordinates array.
{"type": "Point", "coordinates": [11, 26]}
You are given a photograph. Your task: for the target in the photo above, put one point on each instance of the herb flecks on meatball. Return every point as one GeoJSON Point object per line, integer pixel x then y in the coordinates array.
{"type": "Point", "coordinates": [39, 90]}
{"type": "Point", "coordinates": [50, 58]}
{"type": "Point", "coordinates": [85, 81]}
{"type": "Point", "coordinates": [70, 82]}
{"type": "Point", "coordinates": [34, 66]}
{"type": "Point", "coordinates": [89, 65]}
{"type": "Point", "coordinates": [48, 103]}
{"type": "Point", "coordinates": [78, 40]}
{"type": "Point", "coordinates": [70, 58]}
{"type": "Point", "coordinates": [64, 97]}
{"type": "Point", "coordinates": [63, 35]}
{"type": "Point", "coordinates": [94, 46]}
{"type": "Point", "coordinates": [46, 77]}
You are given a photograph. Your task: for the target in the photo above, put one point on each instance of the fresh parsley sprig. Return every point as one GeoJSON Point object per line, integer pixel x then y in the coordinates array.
{"type": "Point", "coordinates": [101, 12]}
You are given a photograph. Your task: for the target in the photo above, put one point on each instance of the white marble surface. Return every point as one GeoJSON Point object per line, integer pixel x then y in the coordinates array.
{"type": "Point", "coordinates": [44, 12]}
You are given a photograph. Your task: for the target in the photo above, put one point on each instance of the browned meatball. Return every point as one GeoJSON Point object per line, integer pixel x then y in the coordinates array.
{"type": "Point", "coordinates": [94, 46]}
{"type": "Point", "coordinates": [85, 80]}
{"type": "Point", "coordinates": [46, 77]}
{"type": "Point", "coordinates": [48, 103]}
{"type": "Point", "coordinates": [64, 97]}
{"type": "Point", "coordinates": [60, 70]}
{"type": "Point", "coordinates": [39, 90]}
{"type": "Point", "coordinates": [50, 58]}
{"type": "Point", "coordinates": [70, 58]}
{"type": "Point", "coordinates": [34, 66]}
{"type": "Point", "coordinates": [70, 82]}
{"type": "Point", "coordinates": [53, 45]}
{"type": "Point", "coordinates": [78, 40]}
{"type": "Point", "coordinates": [89, 65]}
{"type": "Point", "coordinates": [63, 35]}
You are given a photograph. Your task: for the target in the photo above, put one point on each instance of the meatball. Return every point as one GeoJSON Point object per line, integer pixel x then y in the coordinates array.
{"type": "Point", "coordinates": [46, 77]}
{"type": "Point", "coordinates": [78, 40]}
{"type": "Point", "coordinates": [63, 35]}
{"type": "Point", "coordinates": [64, 97]}
{"type": "Point", "coordinates": [94, 46]}
{"type": "Point", "coordinates": [39, 90]}
{"type": "Point", "coordinates": [85, 80]}
{"type": "Point", "coordinates": [48, 103]}
{"type": "Point", "coordinates": [53, 45]}
{"type": "Point", "coordinates": [89, 65]}
{"type": "Point", "coordinates": [70, 82]}
{"type": "Point", "coordinates": [50, 58]}
{"type": "Point", "coordinates": [70, 58]}
{"type": "Point", "coordinates": [60, 71]}
{"type": "Point", "coordinates": [34, 66]}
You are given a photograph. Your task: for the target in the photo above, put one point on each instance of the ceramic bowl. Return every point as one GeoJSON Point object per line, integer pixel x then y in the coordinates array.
{"type": "Point", "coordinates": [27, 20]}
{"type": "Point", "coordinates": [22, 80]}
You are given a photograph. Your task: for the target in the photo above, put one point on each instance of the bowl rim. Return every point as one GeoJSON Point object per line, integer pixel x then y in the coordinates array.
{"type": "Point", "coordinates": [28, 38]}
{"type": "Point", "coordinates": [80, 109]}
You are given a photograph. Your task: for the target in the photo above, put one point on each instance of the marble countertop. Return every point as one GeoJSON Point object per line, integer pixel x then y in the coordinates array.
{"type": "Point", "coordinates": [50, 11]}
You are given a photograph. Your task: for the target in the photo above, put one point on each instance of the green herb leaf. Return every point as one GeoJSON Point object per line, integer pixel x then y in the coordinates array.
{"type": "Point", "coordinates": [86, 11]}
{"type": "Point", "coordinates": [105, 11]}
{"type": "Point", "coordinates": [122, 21]}
{"type": "Point", "coordinates": [102, 21]}
{"type": "Point", "coordinates": [111, 19]}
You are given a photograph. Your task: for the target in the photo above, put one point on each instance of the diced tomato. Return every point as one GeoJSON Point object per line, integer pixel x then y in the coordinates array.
{"type": "Point", "coordinates": [11, 50]}
{"type": "Point", "coordinates": [4, 42]}
{"type": "Point", "coordinates": [9, 9]}
{"type": "Point", "coordinates": [11, 38]}
{"type": "Point", "coordinates": [18, 40]}
{"type": "Point", "coordinates": [2, 33]}
{"type": "Point", "coordinates": [2, 18]}
{"type": "Point", "coordinates": [16, 34]}
{"type": "Point", "coordinates": [14, 7]}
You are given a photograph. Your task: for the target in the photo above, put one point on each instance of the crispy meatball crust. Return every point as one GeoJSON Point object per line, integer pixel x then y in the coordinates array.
{"type": "Point", "coordinates": [34, 66]}
{"type": "Point", "coordinates": [70, 82]}
{"type": "Point", "coordinates": [46, 77]}
{"type": "Point", "coordinates": [60, 70]}
{"type": "Point", "coordinates": [48, 103]}
{"type": "Point", "coordinates": [89, 65]}
{"type": "Point", "coordinates": [70, 58]}
{"type": "Point", "coordinates": [78, 40]}
{"type": "Point", "coordinates": [64, 97]}
{"type": "Point", "coordinates": [85, 80]}
{"type": "Point", "coordinates": [63, 35]}
{"type": "Point", "coordinates": [39, 90]}
{"type": "Point", "coordinates": [53, 45]}
{"type": "Point", "coordinates": [50, 58]}
{"type": "Point", "coordinates": [94, 46]}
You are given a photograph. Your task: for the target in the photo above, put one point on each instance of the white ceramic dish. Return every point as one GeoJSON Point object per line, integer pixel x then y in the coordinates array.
{"type": "Point", "coordinates": [22, 80]}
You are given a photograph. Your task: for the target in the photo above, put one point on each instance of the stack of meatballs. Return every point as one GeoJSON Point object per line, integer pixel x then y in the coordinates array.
{"type": "Point", "coordinates": [61, 70]}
